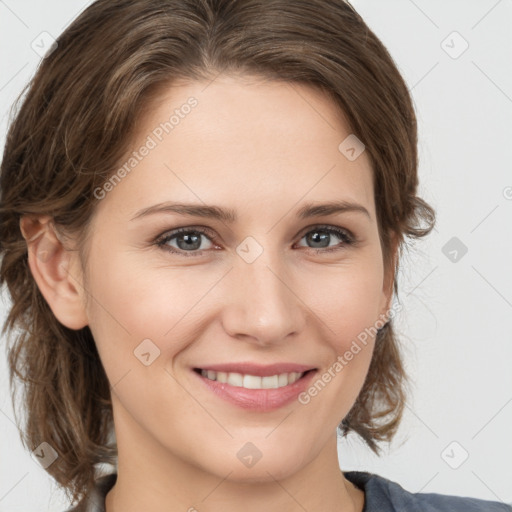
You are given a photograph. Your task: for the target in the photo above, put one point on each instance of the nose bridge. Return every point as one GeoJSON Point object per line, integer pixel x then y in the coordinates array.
{"type": "Point", "coordinates": [263, 305]}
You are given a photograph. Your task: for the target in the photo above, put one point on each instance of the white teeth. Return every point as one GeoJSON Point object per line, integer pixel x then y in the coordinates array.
{"type": "Point", "coordinates": [282, 380]}
{"type": "Point", "coordinates": [235, 379]}
{"type": "Point", "coordinates": [271, 382]}
{"type": "Point", "coordinates": [222, 376]}
{"type": "Point", "coordinates": [253, 381]}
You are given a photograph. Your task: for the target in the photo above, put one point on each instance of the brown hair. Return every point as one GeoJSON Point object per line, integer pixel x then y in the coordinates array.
{"type": "Point", "coordinates": [75, 122]}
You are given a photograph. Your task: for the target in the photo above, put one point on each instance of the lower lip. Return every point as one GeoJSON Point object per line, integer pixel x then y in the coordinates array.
{"type": "Point", "coordinates": [258, 399]}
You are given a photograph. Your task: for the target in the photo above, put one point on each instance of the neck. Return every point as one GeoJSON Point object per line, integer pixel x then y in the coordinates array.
{"type": "Point", "coordinates": [151, 478]}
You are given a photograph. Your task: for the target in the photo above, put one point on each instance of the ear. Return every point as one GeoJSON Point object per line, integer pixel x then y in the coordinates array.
{"type": "Point", "coordinates": [55, 270]}
{"type": "Point", "coordinates": [389, 277]}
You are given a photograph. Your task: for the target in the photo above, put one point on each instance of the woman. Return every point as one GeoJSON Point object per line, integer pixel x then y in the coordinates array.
{"type": "Point", "coordinates": [203, 204]}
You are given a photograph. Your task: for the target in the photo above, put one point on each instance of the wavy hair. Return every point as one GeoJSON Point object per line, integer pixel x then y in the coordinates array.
{"type": "Point", "coordinates": [74, 121]}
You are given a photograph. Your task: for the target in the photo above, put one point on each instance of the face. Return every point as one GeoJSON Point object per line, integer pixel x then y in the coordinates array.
{"type": "Point", "coordinates": [272, 288]}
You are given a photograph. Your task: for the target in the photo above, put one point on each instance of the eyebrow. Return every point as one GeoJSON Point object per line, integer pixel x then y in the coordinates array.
{"type": "Point", "coordinates": [228, 215]}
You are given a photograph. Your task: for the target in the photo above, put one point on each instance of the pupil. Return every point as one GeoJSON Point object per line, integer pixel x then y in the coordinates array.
{"type": "Point", "coordinates": [190, 240]}
{"type": "Point", "coordinates": [315, 238]}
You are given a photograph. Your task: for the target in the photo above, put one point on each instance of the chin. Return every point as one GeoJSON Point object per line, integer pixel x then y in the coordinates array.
{"type": "Point", "coordinates": [239, 468]}
{"type": "Point", "coordinates": [261, 473]}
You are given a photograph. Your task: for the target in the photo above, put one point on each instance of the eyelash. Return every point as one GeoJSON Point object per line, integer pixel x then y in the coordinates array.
{"type": "Point", "coordinates": [161, 241]}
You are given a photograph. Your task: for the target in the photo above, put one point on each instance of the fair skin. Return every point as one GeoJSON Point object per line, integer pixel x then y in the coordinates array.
{"type": "Point", "coordinates": [263, 149]}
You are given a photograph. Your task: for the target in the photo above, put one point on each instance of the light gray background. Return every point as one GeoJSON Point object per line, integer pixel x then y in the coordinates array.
{"type": "Point", "coordinates": [455, 322]}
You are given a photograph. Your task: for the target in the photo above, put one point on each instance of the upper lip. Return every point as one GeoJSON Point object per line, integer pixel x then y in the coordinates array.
{"type": "Point", "coordinates": [256, 369]}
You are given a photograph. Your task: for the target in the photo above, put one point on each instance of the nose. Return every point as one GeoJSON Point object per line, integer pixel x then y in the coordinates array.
{"type": "Point", "coordinates": [264, 307]}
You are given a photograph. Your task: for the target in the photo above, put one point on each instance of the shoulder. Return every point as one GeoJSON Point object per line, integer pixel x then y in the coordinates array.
{"type": "Point", "coordinates": [383, 495]}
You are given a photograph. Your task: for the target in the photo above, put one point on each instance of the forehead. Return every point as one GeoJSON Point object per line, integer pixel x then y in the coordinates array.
{"type": "Point", "coordinates": [242, 142]}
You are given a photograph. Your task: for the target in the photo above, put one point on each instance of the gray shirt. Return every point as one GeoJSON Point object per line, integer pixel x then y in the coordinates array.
{"type": "Point", "coordinates": [381, 495]}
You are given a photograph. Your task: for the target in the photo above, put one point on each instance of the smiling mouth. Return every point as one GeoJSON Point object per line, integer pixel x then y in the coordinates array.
{"type": "Point", "coordinates": [248, 381]}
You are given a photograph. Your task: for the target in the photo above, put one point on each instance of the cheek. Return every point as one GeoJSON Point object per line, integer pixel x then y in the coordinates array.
{"type": "Point", "coordinates": [132, 300]}
{"type": "Point", "coordinates": [135, 316]}
{"type": "Point", "coordinates": [143, 313]}
{"type": "Point", "coordinates": [348, 309]}
{"type": "Point", "coordinates": [347, 299]}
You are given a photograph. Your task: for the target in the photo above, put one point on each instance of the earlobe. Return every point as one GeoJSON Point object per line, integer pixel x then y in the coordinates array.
{"type": "Point", "coordinates": [53, 267]}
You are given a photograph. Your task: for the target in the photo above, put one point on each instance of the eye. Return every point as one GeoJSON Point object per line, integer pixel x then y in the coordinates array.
{"type": "Point", "coordinates": [320, 237]}
{"type": "Point", "coordinates": [189, 240]}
